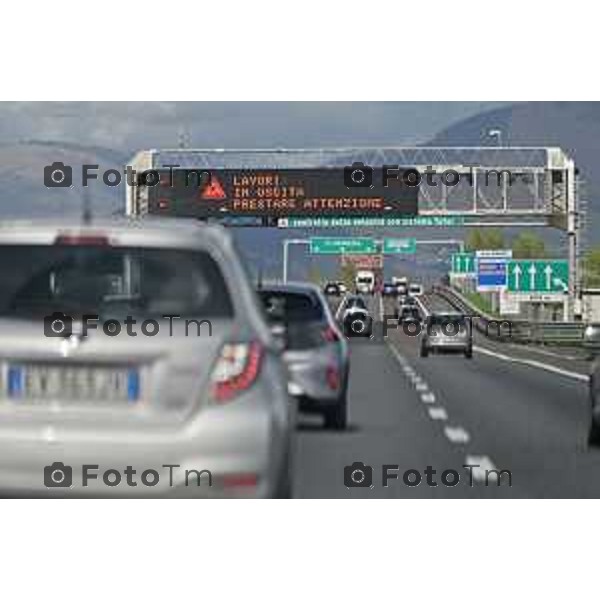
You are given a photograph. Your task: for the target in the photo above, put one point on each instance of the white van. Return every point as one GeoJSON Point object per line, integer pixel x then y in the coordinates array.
{"type": "Point", "coordinates": [365, 282]}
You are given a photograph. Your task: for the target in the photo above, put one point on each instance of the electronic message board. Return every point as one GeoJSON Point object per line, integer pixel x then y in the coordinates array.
{"type": "Point", "coordinates": [277, 193]}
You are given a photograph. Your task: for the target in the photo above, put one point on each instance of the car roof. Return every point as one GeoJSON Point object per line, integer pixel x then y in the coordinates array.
{"type": "Point", "coordinates": [145, 230]}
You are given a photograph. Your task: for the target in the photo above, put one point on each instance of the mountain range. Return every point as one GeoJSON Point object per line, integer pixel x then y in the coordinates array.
{"type": "Point", "coordinates": [34, 135]}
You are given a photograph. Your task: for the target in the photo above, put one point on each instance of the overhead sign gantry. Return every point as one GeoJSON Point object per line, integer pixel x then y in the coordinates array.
{"type": "Point", "coordinates": [464, 186]}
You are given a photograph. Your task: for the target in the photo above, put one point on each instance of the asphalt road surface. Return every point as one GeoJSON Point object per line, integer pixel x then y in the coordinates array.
{"type": "Point", "coordinates": [508, 408]}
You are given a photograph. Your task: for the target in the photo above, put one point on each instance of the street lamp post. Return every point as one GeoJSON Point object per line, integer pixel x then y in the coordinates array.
{"type": "Point", "coordinates": [286, 252]}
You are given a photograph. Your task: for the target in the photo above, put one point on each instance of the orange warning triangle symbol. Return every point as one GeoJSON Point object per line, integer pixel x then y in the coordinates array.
{"type": "Point", "coordinates": [213, 190]}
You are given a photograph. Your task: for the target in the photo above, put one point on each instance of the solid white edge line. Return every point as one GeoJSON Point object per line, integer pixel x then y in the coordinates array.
{"type": "Point", "coordinates": [532, 363]}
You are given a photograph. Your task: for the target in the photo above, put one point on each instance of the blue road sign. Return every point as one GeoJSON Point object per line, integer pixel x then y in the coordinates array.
{"type": "Point", "coordinates": [491, 274]}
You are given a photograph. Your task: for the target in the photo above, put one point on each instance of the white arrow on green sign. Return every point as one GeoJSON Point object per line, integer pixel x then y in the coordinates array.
{"type": "Point", "coordinates": [547, 276]}
{"type": "Point", "coordinates": [399, 246]}
{"type": "Point", "coordinates": [463, 262]}
{"type": "Point", "coordinates": [354, 245]}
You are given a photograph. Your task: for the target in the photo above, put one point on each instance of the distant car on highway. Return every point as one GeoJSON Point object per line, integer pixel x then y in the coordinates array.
{"type": "Point", "coordinates": [401, 284]}
{"type": "Point", "coordinates": [446, 332]}
{"type": "Point", "coordinates": [354, 317]}
{"type": "Point", "coordinates": [332, 289]}
{"type": "Point", "coordinates": [343, 287]}
{"type": "Point", "coordinates": [389, 289]}
{"type": "Point", "coordinates": [409, 313]}
{"type": "Point", "coordinates": [365, 282]}
{"type": "Point", "coordinates": [402, 302]}
{"type": "Point", "coordinates": [591, 341]}
{"type": "Point", "coordinates": [402, 289]}
{"type": "Point", "coordinates": [316, 352]}
{"type": "Point", "coordinates": [205, 398]}
{"type": "Point", "coordinates": [415, 289]}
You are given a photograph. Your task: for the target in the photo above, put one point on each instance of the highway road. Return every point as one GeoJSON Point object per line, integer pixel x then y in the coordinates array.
{"type": "Point", "coordinates": [525, 411]}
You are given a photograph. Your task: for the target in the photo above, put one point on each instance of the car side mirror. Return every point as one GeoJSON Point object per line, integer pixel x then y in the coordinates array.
{"type": "Point", "coordinates": [280, 336]}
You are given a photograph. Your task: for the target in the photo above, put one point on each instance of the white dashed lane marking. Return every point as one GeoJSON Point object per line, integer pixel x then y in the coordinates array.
{"type": "Point", "coordinates": [438, 413]}
{"type": "Point", "coordinates": [482, 469]}
{"type": "Point", "coordinates": [457, 435]}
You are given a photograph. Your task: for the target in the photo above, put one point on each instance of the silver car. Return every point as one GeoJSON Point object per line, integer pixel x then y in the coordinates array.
{"type": "Point", "coordinates": [135, 360]}
{"type": "Point", "coordinates": [316, 351]}
{"type": "Point", "coordinates": [446, 332]}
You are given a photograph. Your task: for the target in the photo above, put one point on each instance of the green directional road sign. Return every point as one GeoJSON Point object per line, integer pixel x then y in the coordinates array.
{"type": "Point", "coordinates": [356, 245]}
{"type": "Point", "coordinates": [545, 276]}
{"type": "Point", "coordinates": [463, 262]}
{"type": "Point", "coordinates": [399, 246]}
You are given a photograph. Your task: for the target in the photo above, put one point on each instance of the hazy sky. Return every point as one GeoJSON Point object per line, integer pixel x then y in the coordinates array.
{"type": "Point", "coordinates": [131, 125]}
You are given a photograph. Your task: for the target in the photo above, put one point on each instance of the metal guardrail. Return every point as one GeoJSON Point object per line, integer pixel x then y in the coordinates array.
{"type": "Point", "coordinates": [542, 332]}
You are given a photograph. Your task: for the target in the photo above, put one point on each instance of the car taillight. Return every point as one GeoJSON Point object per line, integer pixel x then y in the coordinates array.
{"type": "Point", "coordinates": [236, 370]}
{"type": "Point", "coordinates": [237, 480]}
{"type": "Point", "coordinates": [330, 335]}
{"type": "Point", "coordinates": [333, 377]}
{"type": "Point", "coordinates": [86, 239]}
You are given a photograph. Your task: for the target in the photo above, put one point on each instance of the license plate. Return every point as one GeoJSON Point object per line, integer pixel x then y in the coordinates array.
{"type": "Point", "coordinates": [77, 383]}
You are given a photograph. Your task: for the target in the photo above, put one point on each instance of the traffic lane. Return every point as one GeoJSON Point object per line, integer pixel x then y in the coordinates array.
{"type": "Point", "coordinates": [529, 421]}
{"type": "Point", "coordinates": [575, 361]}
{"type": "Point", "coordinates": [389, 424]}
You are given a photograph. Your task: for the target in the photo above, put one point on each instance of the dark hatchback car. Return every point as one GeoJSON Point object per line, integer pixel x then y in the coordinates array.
{"type": "Point", "coordinates": [591, 342]}
{"type": "Point", "coordinates": [332, 289]}
{"type": "Point", "coordinates": [389, 289]}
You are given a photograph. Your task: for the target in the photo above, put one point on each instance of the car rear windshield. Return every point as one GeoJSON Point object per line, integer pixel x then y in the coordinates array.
{"type": "Point", "coordinates": [292, 307]}
{"type": "Point", "coordinates": [356, 303]}
{"type": "Point", "coordinates": [105, 280]}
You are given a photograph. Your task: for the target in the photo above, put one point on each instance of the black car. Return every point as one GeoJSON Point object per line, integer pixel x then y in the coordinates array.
{"type": "Point", "coordinates": [389, 289]}
{"type": "Point", "coordinates": [591, 341]}
{"type": "Point", "coordinates": [332, 289]}
{"type": "Point", "coordinates": [409, 314]}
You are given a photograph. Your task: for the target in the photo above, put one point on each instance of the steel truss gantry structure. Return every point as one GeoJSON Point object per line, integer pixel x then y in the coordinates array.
{"type": "Point", "coordinates": [497, 184]}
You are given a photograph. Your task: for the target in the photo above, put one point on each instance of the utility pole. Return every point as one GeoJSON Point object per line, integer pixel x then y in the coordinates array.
{"type": "Point", "coordinates": [573, 240]}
